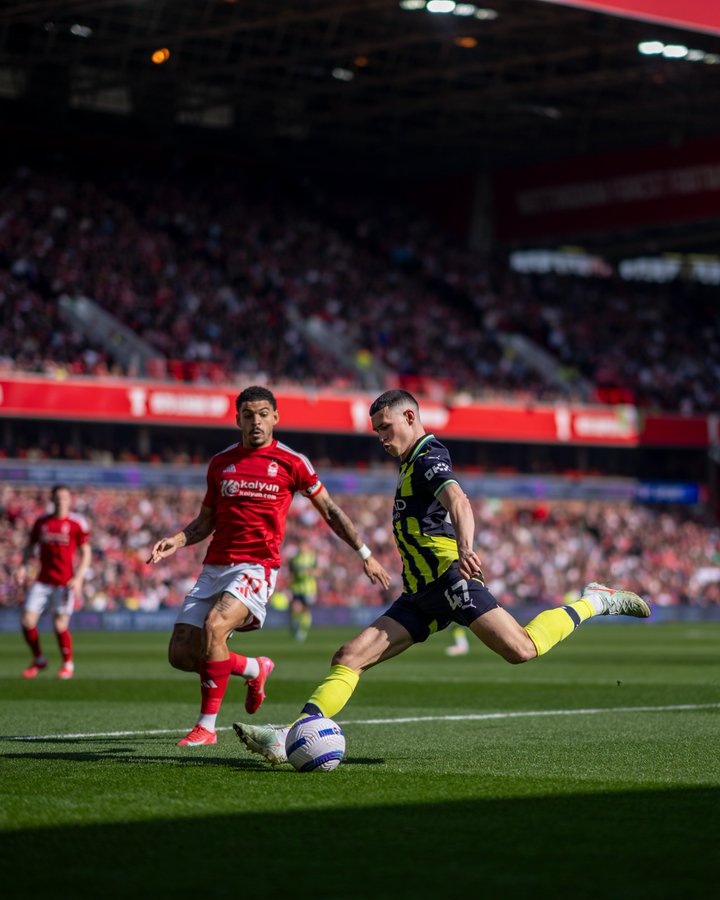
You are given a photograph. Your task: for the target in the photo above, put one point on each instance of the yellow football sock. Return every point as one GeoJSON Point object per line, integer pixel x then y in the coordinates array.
{"type": "Point", "coordinates": [554, 625]}
{"type": "Point", "coordinates": [334, 692]}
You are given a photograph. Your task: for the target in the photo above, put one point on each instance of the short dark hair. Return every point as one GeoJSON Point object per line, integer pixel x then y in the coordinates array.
{"type": "Point", "coordinates": [254, 393]}
{"type": "Point", "coordinates": [58, 487]}
{"type": "Point", "coordinates": [393, 399]}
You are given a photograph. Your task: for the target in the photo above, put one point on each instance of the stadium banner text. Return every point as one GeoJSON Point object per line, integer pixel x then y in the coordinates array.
{"type": "Point", "coordinates": [159, 403]}
{"type": "Point", "coordinates": [621, 190]}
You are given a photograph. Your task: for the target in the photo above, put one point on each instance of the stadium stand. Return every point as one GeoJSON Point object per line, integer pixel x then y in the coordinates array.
{"type": "Point", "coordinates": [532, 552]}
{"type": "Point", "coordinates": [290, 292]}
{"type": "Point", "coordinates": [231, 282]}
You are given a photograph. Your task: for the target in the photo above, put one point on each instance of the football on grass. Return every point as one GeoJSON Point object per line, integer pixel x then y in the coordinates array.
{"type": "Point", "coordinates": [315, 744]}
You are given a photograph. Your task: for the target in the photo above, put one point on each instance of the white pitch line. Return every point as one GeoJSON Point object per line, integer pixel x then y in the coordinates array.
{"type": "Point", "coordinates": [474, 717]}
{"type": "Point", "coordinates": [468, 717]}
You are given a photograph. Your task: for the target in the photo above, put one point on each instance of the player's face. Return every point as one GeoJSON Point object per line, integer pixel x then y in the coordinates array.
{"type": "Point", "coordinates": [61, 502]}
{"type": "Point", "coordinates": [396, 428]}
{"type": "Point", "coordinates": [257, 419]}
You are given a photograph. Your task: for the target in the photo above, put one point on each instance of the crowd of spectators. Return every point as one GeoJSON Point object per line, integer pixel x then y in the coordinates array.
{"type": "Point", "coordinates": [214, 274]}
{"type": "Point", "coordinates": [653, 344]}
{"type": "Point", "coordinates": [228, 279]}
{"type": "Point", "coordinates": [531, 552]}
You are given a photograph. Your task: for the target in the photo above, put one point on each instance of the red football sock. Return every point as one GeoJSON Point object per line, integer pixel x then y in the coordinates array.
{"type": "Point", "coordinates": [33, 641]}
{"type": "Point", "coordinates": [239, 663]}
{"type": "Point", "coordinates": [214, 675]}
{"type": "Point", "coordinates": [65, 643]}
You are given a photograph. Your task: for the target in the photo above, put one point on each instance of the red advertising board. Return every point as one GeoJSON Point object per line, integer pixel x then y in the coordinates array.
{"type": "Point", "coordinates": [159, 403]}
{"type": "Point", "coordinates": [699, 15]}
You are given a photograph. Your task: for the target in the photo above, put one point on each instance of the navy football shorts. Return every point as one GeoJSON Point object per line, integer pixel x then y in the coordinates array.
{"type": "Point", "coordinates": [451, 598]}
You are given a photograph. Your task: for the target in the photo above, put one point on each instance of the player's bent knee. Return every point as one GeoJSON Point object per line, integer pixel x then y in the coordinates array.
{"type": "Point", "coordinates": [344, 657]}
{"type": "Point", "coordinates": [519, 654]}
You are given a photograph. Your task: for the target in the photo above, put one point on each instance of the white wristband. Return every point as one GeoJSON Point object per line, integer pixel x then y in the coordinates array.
{"type": "Point", "coordinates": [365, 552]}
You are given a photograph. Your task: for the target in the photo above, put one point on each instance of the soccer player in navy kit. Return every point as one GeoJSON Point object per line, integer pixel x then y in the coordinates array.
{"type": "Point", "coordinates": [250, 486]}
{"type": "Point", "coordinates": [443, 583]}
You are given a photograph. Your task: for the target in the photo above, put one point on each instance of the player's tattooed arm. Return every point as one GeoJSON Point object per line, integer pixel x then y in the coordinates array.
{"type": "Point", "coordinates": [201, 527]}
{"type": "Point", "coordinates": [337, 520]}
{"type": "Point", "coordinates": [343, 527]}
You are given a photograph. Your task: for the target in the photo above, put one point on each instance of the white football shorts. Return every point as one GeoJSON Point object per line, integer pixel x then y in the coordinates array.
{"type": "Point", "coordinates": [251, 583]}
{"type": "Point", "coordinates": [57, 598]}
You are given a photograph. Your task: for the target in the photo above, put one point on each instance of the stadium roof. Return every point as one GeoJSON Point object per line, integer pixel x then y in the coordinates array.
{"type": "Point", "coordinates": [369, 83]}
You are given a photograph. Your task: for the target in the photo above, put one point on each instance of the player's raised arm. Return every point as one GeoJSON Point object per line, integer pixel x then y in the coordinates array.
{"type": "Point", "coordinates": [455, 501]}
{"type": "Point", "coordinates": [201, 527]}
{"type": "Point", "coordinates": [343, 527]}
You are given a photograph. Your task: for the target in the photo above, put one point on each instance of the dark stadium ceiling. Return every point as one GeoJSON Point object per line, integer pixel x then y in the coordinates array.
{"type": "Point", "coordinates": [347, 83]}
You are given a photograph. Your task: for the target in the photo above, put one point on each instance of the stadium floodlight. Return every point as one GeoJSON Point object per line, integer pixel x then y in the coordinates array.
{"type": "Point", "coordinates": [675, 51]}
{"type": "Point", "coordinates": [650, 48]}
{"type": "Point", "coordinates": [465, 9]}
{"type": "Point", "coordinates": [486, 14]}
{"type": "Point", "coordinates": [412, 4]}
{"type": "Point", "coordinates": [695, 55]}
{"type": "Point", "coordinates": [440, 6]}
{"type": "Point", "coordinates": [160, 56]}
{"type": "Point", "coordinates": [82, 31]}
{"type": "Point", "coordinates": [343, 74]}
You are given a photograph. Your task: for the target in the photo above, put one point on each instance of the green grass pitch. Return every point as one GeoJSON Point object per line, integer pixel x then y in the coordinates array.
{"type": "Point", "coordinates": [591, 773]}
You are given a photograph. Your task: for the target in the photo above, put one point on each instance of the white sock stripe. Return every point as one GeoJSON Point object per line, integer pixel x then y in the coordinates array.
{"type": "Point", "coordinates": [468, 717]}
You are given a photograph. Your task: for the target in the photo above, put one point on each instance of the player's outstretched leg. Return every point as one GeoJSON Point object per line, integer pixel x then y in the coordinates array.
{"type": "Point", "coordinates": [256, 686]}
{"type": "Point", "coordinates": [617, 603]}
{"type": "Point", "coordinates": [553, 625]}
{"type": "Point", "coordinates": [266, 740]}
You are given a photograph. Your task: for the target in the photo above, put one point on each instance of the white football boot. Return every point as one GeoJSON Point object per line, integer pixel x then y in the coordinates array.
{"type": "Point", "coordinates": [266, 740]}
{"type": "Point", "coordinates": [615, 603]}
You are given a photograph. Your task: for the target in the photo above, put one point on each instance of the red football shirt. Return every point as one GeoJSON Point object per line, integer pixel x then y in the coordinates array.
{"type": "Point", "coordinates": [250, 491]}
{"type": "Point", "coordinates": [58, 540]}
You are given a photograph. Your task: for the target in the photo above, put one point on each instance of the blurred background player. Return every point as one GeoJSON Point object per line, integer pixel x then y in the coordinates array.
{"type": "Point", "coordinates": [250, 486]}
{"type": "Point", "coordinates": [460, 645]}
{"type": "Point", "coordinates": [59, 535]}
{"type": "Point", "coordinates": [303, 585]}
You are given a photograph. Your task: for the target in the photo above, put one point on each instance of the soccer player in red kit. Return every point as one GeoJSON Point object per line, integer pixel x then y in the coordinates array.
{"type": "Point", "coordinates": [250, 486]}
{"type": "Point", "coordinates": [59, 535]}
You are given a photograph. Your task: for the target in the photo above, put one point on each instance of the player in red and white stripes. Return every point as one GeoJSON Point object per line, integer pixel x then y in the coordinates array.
{"type": "Point", "coordinates": [250, 486]}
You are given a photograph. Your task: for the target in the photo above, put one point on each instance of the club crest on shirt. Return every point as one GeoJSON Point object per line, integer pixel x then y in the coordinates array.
{"type": "Point", "coordinates": [272, 468]}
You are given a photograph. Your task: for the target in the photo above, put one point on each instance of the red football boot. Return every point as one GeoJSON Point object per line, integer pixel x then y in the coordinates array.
{"type": "Point", "coordinates": [198, 737]}
{"type": "Point", "coordinates": [256, 686]}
